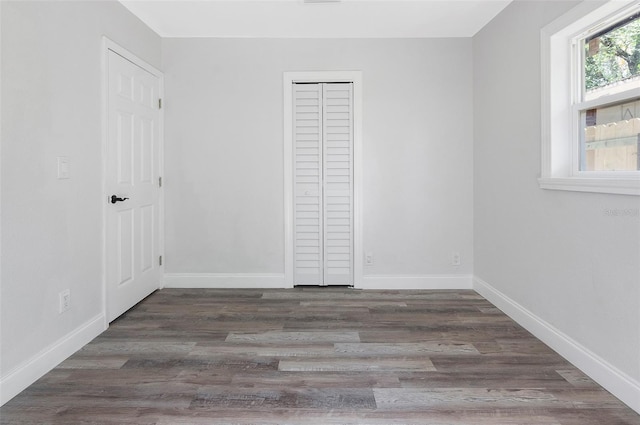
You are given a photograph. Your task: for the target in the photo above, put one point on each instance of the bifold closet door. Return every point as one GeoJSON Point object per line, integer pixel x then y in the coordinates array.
{"type": "Point", "coordinates": [307, 184]}
{"type": "Point", "coordinates": [337, 176]}
{"type": "Point", "coordinates": [323, 184]}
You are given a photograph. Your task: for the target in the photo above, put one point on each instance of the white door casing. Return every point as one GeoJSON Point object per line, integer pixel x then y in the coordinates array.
{"type": "Point", "coordinates": [323, 149]}
{"type": "Point", "coordinates": [132, 226]}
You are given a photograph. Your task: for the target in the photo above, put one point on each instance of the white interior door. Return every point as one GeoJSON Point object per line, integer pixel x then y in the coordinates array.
{"type": "Point", "coordinates": [132, 183]}
{"type": "Point", "coordinates": [323, 183]}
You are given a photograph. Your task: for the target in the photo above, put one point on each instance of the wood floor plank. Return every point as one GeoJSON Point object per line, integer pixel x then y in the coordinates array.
{"type": "Point", "coordinates": [316, 356]}
{"type": "Point", "coordinates": [295, 337]}
{"type": "Point", "coordinates": [199, 363]}
{"type": "Point", "coordinates": [271, 350]}
{"type": "Point", "coordinates": [532, 378]}
{"type": "Point", "coordinates": [136, 347]}
{"type": "Point", "coordinates": [349, 304]}
{"type": "Point", "coordinates": [372, 365]}
{"type": "Point", "coordinates": [403, 348]}
{"type": "Point", "coordinates": [317, 379]}
{"type": "Point", "coordinates": [95, 362]}
{"type": "Point", "coordinates": [576, 378]}
{"type": "Point", "coordinates": [305, 398]}
{"type": "Point", "coordinates": [463, 398]}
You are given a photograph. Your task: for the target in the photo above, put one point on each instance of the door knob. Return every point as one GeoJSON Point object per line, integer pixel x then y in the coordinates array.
{"type": "Point", "coordinates": [115, 199]}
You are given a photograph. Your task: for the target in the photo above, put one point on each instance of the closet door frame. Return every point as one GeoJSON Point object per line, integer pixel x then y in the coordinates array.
{"type": "Point", "coordinates": [289, 79]}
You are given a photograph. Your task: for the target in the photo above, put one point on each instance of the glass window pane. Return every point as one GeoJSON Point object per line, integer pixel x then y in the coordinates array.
{"type": "Point", "coordinates": [612, 57]}
{"type": "Point", "coordinates": [610, 137]}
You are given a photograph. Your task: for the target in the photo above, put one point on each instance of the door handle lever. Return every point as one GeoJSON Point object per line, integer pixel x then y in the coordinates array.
{"type": "Point", "coordinates": [115, 199]}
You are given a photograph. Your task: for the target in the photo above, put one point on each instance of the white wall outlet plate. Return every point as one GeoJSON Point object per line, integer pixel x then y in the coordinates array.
{"type": "Point", "coordinates": [368, 259]}
{"type": "Point", "coordinates": [65, 300]}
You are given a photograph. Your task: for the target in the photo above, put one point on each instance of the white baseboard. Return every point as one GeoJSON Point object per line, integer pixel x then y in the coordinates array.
{"type": "Point", "coordinates": [35, 367]}
{"type": "Point", "coordinates": [223, 280]}
{"type": "Point", "coordinates": [611, 378]}
{"type": "Point", "coordinates": [453, 281]}
{"type": "Point", "coordinates": [276, 280]}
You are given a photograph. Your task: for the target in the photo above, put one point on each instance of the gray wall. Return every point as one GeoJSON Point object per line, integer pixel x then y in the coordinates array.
{"type": "Point", "coordinates": [51, 106]}
{"type": "Point", "coordinates": [561, 255]}
{"type": "Point", "coordinates": [224, 151]}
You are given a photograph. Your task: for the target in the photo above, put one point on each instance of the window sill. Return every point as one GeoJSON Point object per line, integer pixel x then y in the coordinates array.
{"type": "Point", "coordinates": [595, 185]}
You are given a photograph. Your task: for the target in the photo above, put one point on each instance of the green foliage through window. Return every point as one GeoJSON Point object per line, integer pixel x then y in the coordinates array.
{"type": "Point", "coordinates": [613, 55]}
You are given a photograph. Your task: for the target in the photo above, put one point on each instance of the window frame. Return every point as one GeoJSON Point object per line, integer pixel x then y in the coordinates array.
{"type": "Point", "coordinates": [562, 81]}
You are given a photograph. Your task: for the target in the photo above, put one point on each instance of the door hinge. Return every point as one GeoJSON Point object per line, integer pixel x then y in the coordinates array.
{"type": "Point", "coordinates": [160, 103]}
{"type": "Point", "coordinates": [160, 260]}
{"type": "Point", "coordinates": [159, 181]}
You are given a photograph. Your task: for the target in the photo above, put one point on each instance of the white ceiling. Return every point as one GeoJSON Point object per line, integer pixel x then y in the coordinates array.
{"type": "Point", "coordinates": [296, 19]}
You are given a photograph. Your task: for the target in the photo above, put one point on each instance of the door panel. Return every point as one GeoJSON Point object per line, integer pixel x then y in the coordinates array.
{"type": "Point", "coordinates": [147, 237]}
{"type": "Point", "coordinates": [132, 234]}
{"type": "Point", "coordinates": [125, 246]}
{"type": "Point", "coordinates": [338, 184]}
{"type": "Point", "coordinates": [124, 145]}
{"type": "Point", "coordinates": [307, 181]}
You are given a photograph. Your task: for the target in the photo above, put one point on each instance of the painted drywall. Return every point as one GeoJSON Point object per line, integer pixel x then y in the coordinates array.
{"type": "Point", "coordinates": [572, 259]}
{"type": "Point", "coordinates": [52, 106]}
{"type": "Point", "coordinates": [224, 151]}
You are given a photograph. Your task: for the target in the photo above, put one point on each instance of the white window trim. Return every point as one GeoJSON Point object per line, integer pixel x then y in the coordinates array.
{"type": "Point", "coordinates": [559, 138]}
{"type": "Point", "coordinates": [354, 77]}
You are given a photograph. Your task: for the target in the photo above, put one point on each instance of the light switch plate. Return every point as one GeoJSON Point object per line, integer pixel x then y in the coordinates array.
{"type": "Point", "coordinates": [63, 167]}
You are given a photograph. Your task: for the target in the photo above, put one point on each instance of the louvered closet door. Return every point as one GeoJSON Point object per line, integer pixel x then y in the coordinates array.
{"type": "Point", "coordinates": [307, 181]}
{"type": "Point", "coordinates": [338, 184]}
{"type": "Point", "coordinates": [323, 184]}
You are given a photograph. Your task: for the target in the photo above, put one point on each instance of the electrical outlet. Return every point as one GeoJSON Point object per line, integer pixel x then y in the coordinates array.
{"type": "Point", "coordinates": [455, 259]}
{"type": "Point", "coordinates": [65, 300]}
{"type": "Point", "coordinates": [368, 259]}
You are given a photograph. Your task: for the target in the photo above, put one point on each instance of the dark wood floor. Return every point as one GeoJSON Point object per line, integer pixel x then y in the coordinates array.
{"type": "Point", "coordinates": [316, 356]}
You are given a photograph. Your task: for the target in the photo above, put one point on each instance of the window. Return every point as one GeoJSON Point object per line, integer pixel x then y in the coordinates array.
{"type": "Point", "coordinates": [591, 99]}
{"type": "Point", "coordinates": [610, 64]}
